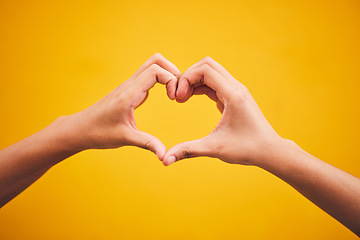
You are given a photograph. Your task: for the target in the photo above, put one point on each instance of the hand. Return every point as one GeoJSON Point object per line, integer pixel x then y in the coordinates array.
{"type": "Point", "coordinates": [242, 136]}
{"type": "Point", "coordinates": [110, 123]}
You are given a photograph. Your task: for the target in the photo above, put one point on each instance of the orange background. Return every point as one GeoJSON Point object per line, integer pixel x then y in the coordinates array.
{"type": "Point", "coordinates": [299, 59]}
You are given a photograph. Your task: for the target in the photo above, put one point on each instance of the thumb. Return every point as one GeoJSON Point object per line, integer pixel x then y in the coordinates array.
{"type": "Point", "coordinates": [147, 141]}
{"type": "Point", "coordinates": [195, 148]}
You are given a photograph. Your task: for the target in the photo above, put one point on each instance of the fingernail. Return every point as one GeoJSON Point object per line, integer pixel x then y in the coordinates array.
{"type": "Point", "coordinates": [171, 160]}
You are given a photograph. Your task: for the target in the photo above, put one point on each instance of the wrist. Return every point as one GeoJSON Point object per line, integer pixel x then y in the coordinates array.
{"type": "Point", "coordinates": [278, 155]}
{"type": "Point", "coordinates": [64, 133]}
{"type": "Point", "coordinates": [47, 147]}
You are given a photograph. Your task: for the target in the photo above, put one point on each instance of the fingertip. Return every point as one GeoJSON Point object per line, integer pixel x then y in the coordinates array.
{"type": "Point", "coordinates": [186, 96]}
{"type": "Point", "coordinates": [160, 155]}
{"type": "Point", "coordinates": [180, 93]}
{"type": "Point", "coordinates": [157, 147]}
{"type": "Point", "coordinates": [182, 89]}
{"type": "Point", "coordinates": [160, 151]}
{"type": "Point", "coordinates": [171, 88]}
{"type": "Point", "coordinates": [181, 100]}
{"type": "Point", "coordinates": [170, 160]}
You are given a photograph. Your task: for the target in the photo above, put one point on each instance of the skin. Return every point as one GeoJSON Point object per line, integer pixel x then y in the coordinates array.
{"type": "Point", "coordinates": [244, 136]}
{"type": "Point", "coordinates": [109, 123]}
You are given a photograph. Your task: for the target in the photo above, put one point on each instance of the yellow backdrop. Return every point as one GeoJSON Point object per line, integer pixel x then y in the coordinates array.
{"type": "Point", "coordinates": [299, 59]}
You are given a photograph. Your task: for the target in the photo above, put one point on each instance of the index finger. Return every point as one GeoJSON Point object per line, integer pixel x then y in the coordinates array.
{"type": "Point", "coordinates": [153, 74]}
{"type": "Point", "coordinates": [160, 60]}
{"type": "Point", "coordinates": [214, 64]}
{"type": "Point", "coordinates": [203, 74]}
{"type": "Point", "coordinates": [146, 80]}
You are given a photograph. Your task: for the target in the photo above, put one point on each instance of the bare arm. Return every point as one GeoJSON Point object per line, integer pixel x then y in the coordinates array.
{"type": "Point", "coordinates": [244, 136]}
{"type": "Point", "coordinates": [333, 190]}
{"type": "Point", "coordinates": [24, 162]}
{"type": "Point", "coordinates": [109, 123]}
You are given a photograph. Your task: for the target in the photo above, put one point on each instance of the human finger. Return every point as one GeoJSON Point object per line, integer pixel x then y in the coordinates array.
{"type": "Point", "coordinates": [160, 60]}
{"type": "Point", "coordinates": [153, 74]}
{"type": "Point", "coordinates": [214, 64]}
{"type": "Point", "coordinates": [147, 141]}
{"type": "Point", "coordinates": [204, 74]}
{"type": "Point", "coordinates": [190, 149]}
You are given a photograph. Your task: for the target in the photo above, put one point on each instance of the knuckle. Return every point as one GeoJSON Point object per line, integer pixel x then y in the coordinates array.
{"type": "Point", "coordinates": [156, 57]}
{"type": "Point", "coordinates": [206, 67]}
{"type": "Point", "coordinates": [148, 144]}
{"type": "Point", "coordinates": [154, 68]}
{"type": "Point", "coordinates": [240, 95]}
{"type": "Point", "coordinates": [244, 89]}
{"type": "Point", "coordinates": [186, 152]}
{"type": "Point", "coordinates": [122, 97]}
{"type": "Point", "coordinates": [239, 98]}
{"type": "Point", "coordinates": [207, 59]}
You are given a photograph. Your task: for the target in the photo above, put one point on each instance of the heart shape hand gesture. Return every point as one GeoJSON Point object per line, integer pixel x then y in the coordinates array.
{"type": "Point", "coordinates": [243, 135]}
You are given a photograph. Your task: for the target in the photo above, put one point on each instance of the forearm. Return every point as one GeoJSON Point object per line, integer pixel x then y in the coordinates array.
{"type": "Point", "coordinates": [109, 123]}
{"type": "Point", "coordinates": [244, 136]}
{"type": "Point", "coordinates": [24, 162]}
{"type": "Point", "coordinates": [331, 189]}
